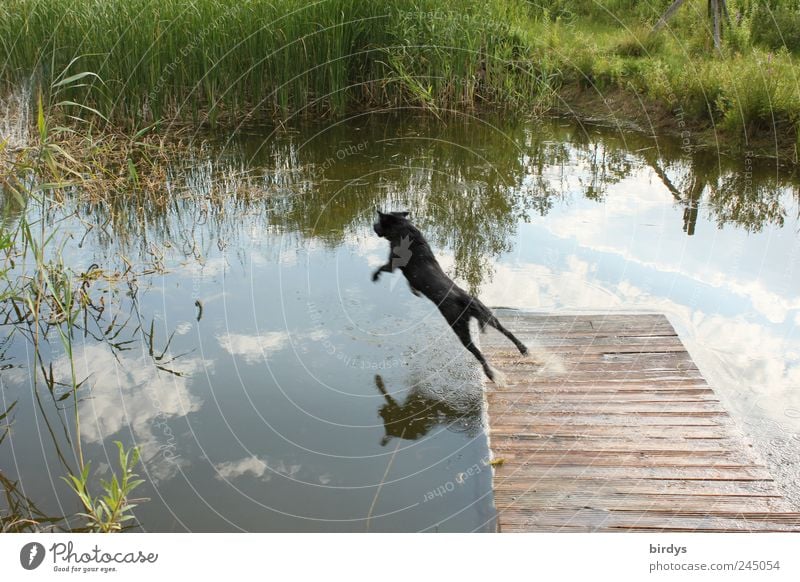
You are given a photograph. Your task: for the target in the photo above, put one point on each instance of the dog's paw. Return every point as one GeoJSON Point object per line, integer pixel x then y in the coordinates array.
{"type": "Point", "coordinates": [498, 378]}
{"type": "Point", "coordinates": [375, 276]}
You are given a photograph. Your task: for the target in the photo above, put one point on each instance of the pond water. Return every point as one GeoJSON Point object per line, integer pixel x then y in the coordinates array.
{"type": "Point", "coordinates": [271, 386]}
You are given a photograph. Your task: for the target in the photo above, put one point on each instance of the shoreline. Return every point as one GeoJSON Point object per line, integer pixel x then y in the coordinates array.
{"type": "Point", "coordinates": [619, 109]}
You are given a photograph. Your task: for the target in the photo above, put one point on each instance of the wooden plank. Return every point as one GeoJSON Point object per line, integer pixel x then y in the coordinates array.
{"type": "Point", "coordinates": [609, 419]}
{"type": "Point", "coordinates": [672, 358]}
{"type": "Point", "coordinates": [598, 397]}
{"type": "Point", "coordinates": [610, 426]}
{"type": "Point", "coordinates": [545, 390]}
{"type": "Point", "coordinates": [525, 429]}
{"type": "Point", "coordinates": [531, 449]}
{"type": "Point", "coordinates": [626, 501]}
{"type": "Point", "coordinates": [520, 467]}
{"type": "Point", "coordinates": [612, 342]}
{"type": "Point", "coordinates": [697, 488]}
{"type": "Point", "coordinates": [646, 521]}
{"type": "Point", "coordinates": [530, 375]}
{"type": "Point", "coordinates": [677, 408]}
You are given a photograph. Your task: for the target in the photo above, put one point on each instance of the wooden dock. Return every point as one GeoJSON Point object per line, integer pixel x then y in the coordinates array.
{"type": "Point", "coordinates": [609, 426]}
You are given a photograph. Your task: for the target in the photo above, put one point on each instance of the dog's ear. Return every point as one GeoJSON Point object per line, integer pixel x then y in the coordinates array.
{"type": "Point", "coordinates": [403, 214]}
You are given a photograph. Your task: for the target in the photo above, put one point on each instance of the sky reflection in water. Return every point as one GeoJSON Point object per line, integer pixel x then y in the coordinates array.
{"type": "Point", "coordinates": [308, 398]}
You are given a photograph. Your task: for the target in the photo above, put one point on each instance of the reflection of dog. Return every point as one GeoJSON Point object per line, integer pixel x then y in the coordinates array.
{"type": "Point", "coordinates": [420, 413]}
{"type": "Point", "coordinates": [410, 252]}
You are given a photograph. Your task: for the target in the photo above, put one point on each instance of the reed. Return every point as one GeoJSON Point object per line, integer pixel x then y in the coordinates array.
{"type": "Point", "coordinates": [154, 63]}
{"type": "Point", "coordinates": [41, 298]}
{"type": "Point", "coordinates": [213, 59]}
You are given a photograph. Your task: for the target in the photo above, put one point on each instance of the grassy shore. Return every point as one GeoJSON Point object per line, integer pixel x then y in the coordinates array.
{"type": "Point", "coordinates": [744, 97]}
{"type": "Point", "coordinates": [214, 61]}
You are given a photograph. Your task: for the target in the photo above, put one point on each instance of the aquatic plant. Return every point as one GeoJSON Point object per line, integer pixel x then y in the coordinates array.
{"type": "Point", "coordinates": [21, 514]}
{"type": "Point", "coordinates": [109, 511]}
{"type": "Point", "coordinates": [41, 297]}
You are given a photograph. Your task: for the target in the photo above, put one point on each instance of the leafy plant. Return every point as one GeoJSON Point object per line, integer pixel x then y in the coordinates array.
{"type": "Point", "coordinates": [109, 511]}
{"type": "Point", "coordinates": [776, 27]}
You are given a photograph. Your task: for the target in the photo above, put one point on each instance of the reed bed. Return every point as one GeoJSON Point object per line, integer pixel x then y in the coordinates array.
{"type": "Point", "coordinates": [211, 59]}
{"type": "Point", "coordinates": [137, 63]}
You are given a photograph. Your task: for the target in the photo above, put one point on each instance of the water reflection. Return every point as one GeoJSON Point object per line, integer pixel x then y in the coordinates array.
{"type": "Point", "coordinates": [267, 400]}
{"type": "Point", "coordinates": [21, 514]}
{"type": "Point", "coordinates": [468, 185]}
{"type": "Point", "coordinates": [113, 363]}
{"type": "Point", "coordinates": [421, 412]}
{"type": "Point", "coordinates": [154, 398]}
{"type": "Point", "coordinates": [746, 193]}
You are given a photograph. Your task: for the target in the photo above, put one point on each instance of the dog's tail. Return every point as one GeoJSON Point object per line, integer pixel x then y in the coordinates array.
{"type": "Point", "coordinates": [485, 317]}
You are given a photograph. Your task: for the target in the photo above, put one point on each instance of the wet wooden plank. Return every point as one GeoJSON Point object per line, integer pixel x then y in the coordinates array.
{"type": "Point", "coordinates": [522, 467]}
{"type": "Point", "coordinates": [615, 446]}
{"type": "Point", "coordinates": [644, 502]}
{"type": "Point", "coordinates": [524, 428]}
{"type": "Point", "coordinates": [585, 520]}
{"type": "Point", "coordinates": [696, 488]}
{"type": "Point", "coordinates": [568, 420]}
{"type": "Point", "coordinates": [609, 426]}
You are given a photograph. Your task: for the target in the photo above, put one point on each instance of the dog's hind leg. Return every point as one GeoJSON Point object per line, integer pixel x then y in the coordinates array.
{"type": "Point", "coordinates": [493, 321]}
{"type": "Point", "coordinates": [461, 327]}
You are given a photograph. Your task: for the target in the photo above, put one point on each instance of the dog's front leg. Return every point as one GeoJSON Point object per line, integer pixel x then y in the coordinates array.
{"type": "Point", "coordinates": [385, 268]}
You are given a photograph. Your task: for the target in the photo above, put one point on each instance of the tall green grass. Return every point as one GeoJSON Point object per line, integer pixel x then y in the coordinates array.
{"type": "Point", "coordinates": [747, 93]}
{"type": "Point", "coordinates": [212, 58]}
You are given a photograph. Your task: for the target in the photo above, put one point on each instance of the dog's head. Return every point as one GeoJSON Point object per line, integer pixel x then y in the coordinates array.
{"type": "Point", "coordinates": [390, 223]}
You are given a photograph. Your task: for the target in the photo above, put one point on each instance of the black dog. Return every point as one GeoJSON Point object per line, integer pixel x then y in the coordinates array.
{"type": "Point", "coordinates": [410, 252]}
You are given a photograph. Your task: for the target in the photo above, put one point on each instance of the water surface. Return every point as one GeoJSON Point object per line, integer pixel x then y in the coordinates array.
{"type": "Point", "coordinates": [273, 387]}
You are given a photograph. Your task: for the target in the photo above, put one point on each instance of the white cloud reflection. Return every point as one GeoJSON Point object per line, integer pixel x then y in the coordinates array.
{"type": "Point", "coordinates": [639, 222]}
{"type": "Point", "coordinates": [128, 393]}
{"type": "Point", "coordinates": [259, 468]}
{"type": "Point", "coordinates": [253, 348]}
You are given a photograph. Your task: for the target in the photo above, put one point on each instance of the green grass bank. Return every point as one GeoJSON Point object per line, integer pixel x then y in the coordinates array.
{"type": "Point", "coordinates": [220, 62]}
